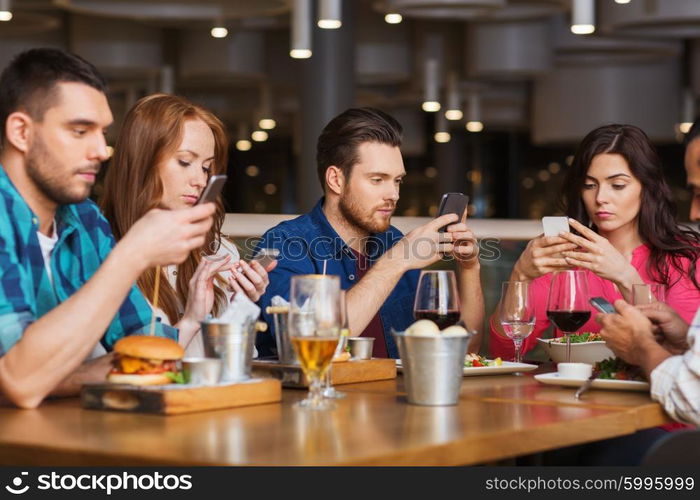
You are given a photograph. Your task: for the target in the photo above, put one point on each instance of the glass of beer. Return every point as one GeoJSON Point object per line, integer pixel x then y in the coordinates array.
{"type": "Point", "coordinates": [314, 329]}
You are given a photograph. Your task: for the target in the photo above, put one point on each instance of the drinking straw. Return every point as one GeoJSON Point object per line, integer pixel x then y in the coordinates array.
{"type": "Point", "coordinates": [324, 266]}
{"type": "Point", "coordinates": [155, 302]}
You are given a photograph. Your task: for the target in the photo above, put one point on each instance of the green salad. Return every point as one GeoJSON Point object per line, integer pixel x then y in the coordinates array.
{"type": "Point", "coordinates": [579, 338]}
{"type": "Point", "coordinates": [617, 369]}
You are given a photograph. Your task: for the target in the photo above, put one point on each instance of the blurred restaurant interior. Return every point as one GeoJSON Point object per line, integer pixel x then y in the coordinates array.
{"type": "Point", "coordinates": [517, 88]}
{"type": "Point", "coordinates": [493, 95]}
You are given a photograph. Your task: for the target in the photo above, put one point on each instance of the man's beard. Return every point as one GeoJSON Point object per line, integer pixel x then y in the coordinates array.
{"type": "Point", "coordinates": [353, 214]}
{"type": "Point", "coordinates": [46, 173]}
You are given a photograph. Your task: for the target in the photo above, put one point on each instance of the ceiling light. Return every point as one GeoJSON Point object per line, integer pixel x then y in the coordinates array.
{"type": "Point", "coordinates": [259, 136]}
{"type": "Point", "coordinates": [431, 85]}
{"type": "Point", "coordinates": [5, 10]}
{"type": "Point", "coordinates": [622, 1]}
{"type": "Point", "coordinates": [219, 32]}
{"type": "Point", "coordinates": [442, 134]}
{"type": "Point", "coordinates": [454, 111]}
{"type": "Point", "coordinates": [329, 14]}
{"type": "Point", "coordinates": [301, 29]}
{"type": "Point", "coordinates": [393, 18]}
{"type": "Point", "coordinates": [687, 111]}
{"type": "Point", "coordinates": [583, 17]}
{"type": "Point", "coordinates": [267, 123]}
{"type": "Point", "coordinates": [252, 171]}
{"type": "Point", "coordinates": [474, 123]}
{"type": "Point", "coordinates": [243, 144]}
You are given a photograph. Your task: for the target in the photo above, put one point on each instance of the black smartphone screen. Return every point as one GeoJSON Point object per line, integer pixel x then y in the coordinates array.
{"type": "Point", "coordinates": [453, 203]}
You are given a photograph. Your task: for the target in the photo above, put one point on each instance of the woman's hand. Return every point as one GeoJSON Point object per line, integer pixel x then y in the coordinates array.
{"type": "Point", "coordinates": [250, 279]}
{"type": "Point", "coordinates": [541, 256]}
{"type": "Point", "coordinates": [598, 255]}
{"type": "Point", "coordinates": [200, 296]}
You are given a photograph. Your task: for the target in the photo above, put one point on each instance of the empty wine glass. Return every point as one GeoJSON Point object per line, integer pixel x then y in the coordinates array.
{"type": "Point", "coordinates": [437, 298]}
{"type": "Point", "coordinates": [314, 327]}
{"type": "Point", "coordinates": [648, 293]}
{"type": "Point", "coordinates": [517, 314]}
{"type": "Point", "coordinates": [567, 304]}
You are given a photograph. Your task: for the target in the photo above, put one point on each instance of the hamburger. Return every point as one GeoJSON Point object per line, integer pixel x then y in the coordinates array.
{"type": "Point", "coordinates": [145, 360]}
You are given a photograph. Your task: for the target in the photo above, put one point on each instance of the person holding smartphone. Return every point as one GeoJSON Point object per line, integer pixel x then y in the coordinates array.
{"type": "Point", "coordinates": [349, 233]}
{"type": "Point", "coordinates": [167, 150]}
{"type": "Point", "coordinates": [618, 201]}
{"type": "Point", "coordinates": [656, 337]}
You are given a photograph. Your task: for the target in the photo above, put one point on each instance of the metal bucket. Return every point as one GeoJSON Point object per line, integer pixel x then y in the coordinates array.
{"type": "Point", "coordinates": [232, 344]}
{"type": "Point", "coordinates": [432, 367]}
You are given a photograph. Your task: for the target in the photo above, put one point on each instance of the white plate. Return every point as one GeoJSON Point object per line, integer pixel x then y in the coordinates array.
{"type": "Point", "coordinates": [506, 367]}
{"type": "Point", "coordinates": [599, 383]}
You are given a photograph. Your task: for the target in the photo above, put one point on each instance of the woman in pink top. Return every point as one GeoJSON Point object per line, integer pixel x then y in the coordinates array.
{"type": "Point", "coordinates": [628, 233]}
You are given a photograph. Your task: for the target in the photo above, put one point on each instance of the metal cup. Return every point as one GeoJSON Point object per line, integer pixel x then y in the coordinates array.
{"type": "Point", "coordinates": [432, 368]}
{"type": "Point", "coordinates": [233, 344]}
{"type": "Point", "coordinates": [202, 371]}
{"type": "Point", "coordinates": [285, 350]}
{"type": "Point", "coordinates": [361, 347]}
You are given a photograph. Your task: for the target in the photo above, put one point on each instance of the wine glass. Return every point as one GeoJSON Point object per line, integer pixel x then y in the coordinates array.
{"type": "Point", "coordinates": [314, 328]}
{"type": "Point", "coordinates": [517, 313]}
{"type": "Point", "coordinates": [648, 293]}
{"type": "Point", "coordinates": [328, 389]}
{"type": "Point", "coordinates": [567, 304]}
{"type": "Point", "coordinates": [437, 298]}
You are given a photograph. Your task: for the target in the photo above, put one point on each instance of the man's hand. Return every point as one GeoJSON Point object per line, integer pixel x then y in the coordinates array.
{"type": "Point", "coordinates": [670, 330]}
{"type": "Point", "coordinates": [424, 245]}
{"type": "Point", "coordinates": [465, 247]}
{"type": "Point", "coordinates": [629, 334]}
{"type": "Point", "coordinates": [163, 237]}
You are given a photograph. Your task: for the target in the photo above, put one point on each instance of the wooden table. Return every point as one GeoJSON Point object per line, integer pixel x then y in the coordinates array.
{"type": "Point", "coordinates": [498, 417]}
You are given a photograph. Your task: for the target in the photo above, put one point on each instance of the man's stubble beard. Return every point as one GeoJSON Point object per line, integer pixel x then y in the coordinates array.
{"type": "Point", "coordinates": [46, 173]}
{"type": "Point", "coordinates": [352, 212]}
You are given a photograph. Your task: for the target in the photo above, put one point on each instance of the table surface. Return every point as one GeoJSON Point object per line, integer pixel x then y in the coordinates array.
{"type": "Point", "coordinates": [498, 417]}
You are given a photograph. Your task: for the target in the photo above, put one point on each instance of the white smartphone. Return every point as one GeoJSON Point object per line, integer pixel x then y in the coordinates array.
{"type": "Point", "coordinates": [553, 226]}
{"type": "Point", "coordinates": [266, 256]}
{"type": "Point", "coordinates": [213, 189]}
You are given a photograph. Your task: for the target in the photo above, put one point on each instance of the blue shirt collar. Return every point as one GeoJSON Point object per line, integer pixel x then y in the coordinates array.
{"type": "Point", "coordinates": [377, 243]}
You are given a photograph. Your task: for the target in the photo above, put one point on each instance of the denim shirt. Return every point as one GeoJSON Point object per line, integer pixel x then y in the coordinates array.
{"type": "Point", "coordinates": [308, 241]}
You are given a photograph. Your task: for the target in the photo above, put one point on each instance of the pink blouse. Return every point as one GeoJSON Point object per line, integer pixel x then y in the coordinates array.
{"type": "Point", "coordinates": [683, 297]}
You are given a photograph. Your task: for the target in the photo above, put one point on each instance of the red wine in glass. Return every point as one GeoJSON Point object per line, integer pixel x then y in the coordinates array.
{"type": "Point", "coordinates": [442, 320]}
{"type": "Point", "coordinates": [568, 321]}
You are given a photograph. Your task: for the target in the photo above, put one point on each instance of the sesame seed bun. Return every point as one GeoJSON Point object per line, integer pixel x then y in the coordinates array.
{"type": "Point", "coordinates": [149, 347]}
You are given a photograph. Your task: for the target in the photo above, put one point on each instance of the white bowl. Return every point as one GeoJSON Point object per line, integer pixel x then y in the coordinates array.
{"type": "Point", "coordinates": [574, 370]}
{"type": "Point", "coordinates": [581, 352]}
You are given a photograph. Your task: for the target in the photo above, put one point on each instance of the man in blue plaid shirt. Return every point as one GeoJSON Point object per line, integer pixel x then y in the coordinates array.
{"type": "Point", "coordinates": [66, 290]}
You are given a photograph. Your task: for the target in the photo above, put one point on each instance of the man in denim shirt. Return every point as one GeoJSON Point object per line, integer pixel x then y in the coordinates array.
{"type": "Point", "coordinates": [66, 290]}
{"type": "Point", "coordinates": [348, 233]}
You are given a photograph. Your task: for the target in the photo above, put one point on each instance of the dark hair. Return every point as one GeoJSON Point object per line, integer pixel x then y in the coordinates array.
{"type": "Point", "coordinates": [28, 82]}
{"type": "Point", "coordinates": [338, 142]}
{"type": "Point", "coordinates": [657, 224]}
{"type": "Point", "coordinates": [693, 133]}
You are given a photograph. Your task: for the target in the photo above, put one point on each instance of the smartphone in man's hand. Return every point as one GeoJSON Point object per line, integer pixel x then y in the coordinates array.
{"type": "Point", "coordinates": [602, 305]}
{"type": "Point", "coordinates": [453, 203]}
{"type": "Point", "coordinates": [212, 190]}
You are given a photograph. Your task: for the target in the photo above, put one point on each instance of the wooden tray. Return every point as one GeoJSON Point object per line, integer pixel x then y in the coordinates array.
{"type": "Point", "coordinates": [346, 372]}
{"type": "Point", "coordinates": [175, 399]}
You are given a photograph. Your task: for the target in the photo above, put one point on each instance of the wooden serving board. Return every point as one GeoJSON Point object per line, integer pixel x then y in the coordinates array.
{"type": "Point", "coordinates": [346, 372]}
{"type": "Point", "coordinates": [176, 399]}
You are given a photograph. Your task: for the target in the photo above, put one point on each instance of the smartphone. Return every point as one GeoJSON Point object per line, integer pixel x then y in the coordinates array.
{"type": "Point", "coordinates": [266, 256]}
{"type": "Point", "coordinates": [453, 203]}
{"type": "Point", "coordinates": [552, 226]}
{"type": "Point", "coordinates": [213, 189]}
{"type": "Point", "coordinates": [602, 305]}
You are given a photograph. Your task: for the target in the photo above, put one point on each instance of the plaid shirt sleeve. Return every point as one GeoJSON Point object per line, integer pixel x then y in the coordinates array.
{"type": "Point", "coordinates": [675, 383]}
{"type": "Point", "coordinates": [134, 315]}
